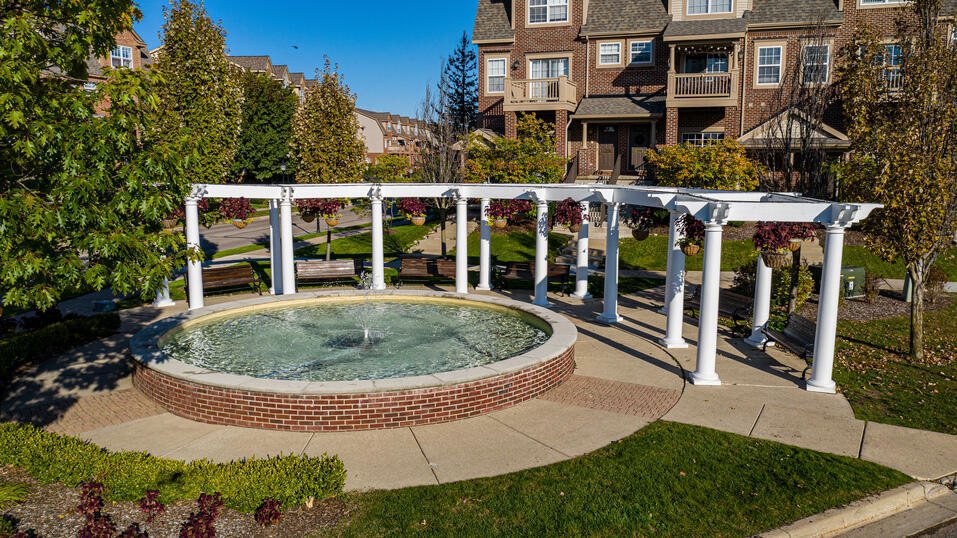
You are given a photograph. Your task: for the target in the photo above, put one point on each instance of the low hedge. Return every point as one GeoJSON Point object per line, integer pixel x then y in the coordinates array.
{"type": "Point", "coordinates": [126, 476]}
{"type": "Point", "coordinates": [19, 349]}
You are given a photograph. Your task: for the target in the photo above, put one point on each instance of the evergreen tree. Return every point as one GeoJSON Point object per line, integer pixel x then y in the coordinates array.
{"type": "Point", "coordinates": [326, 132]}
{"type": "Point", "coordinates": [199, 89]}
{"type": "Point", "coordinates": [265, 139]}
{"type": "Point", "coordinates": [461, 75]}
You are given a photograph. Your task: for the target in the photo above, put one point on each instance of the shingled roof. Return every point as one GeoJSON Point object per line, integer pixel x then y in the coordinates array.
{"type": "Point", "coordinates": [677, 30]}
{"type": "Point", "coordinates": [251, 63]}
{"type": "Point", "coordinates": [616, 106]}
{"type": "Point", "coordinates": [793, 11]}
{"type": "Point", "coordinates": [625, 16]}
{"type": "Point", "coordinates": [492, 21]}
{"type": "Point", "coordinates": [297, 78]}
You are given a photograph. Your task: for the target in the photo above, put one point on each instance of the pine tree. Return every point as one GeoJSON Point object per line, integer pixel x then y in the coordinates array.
{"type": "Point", "coordinates": [198, 89]}
{"type": "Point", "coordinates": [326, 132]}
{"type": "Point", "coordinates": [461, 74]}
{"type": "Point", "coordinates": [265, 139]}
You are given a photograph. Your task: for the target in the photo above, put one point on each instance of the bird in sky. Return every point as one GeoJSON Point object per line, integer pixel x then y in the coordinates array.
{"type": "Point", "coordinates": [295, 47]}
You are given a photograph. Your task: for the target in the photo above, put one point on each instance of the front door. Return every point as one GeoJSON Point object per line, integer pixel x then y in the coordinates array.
{"type": "Point", "coordinates": [607, 147]}
{"type": "Point", "coordinates": [639, 142]}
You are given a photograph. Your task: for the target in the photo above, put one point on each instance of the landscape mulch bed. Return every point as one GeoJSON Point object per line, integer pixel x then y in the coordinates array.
{"type": "Point", "coordinates": [888, 304]}
{"type": "Point", "coordinates": [50, 511]}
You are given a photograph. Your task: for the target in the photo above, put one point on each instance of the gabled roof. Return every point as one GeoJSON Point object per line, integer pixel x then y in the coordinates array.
{"type": "Point", "coordinates": [772, 130]}
{"type": "Point", "coordinates": [311, 82]}
{"type": "Point", "coordinates": [793, 12]}
{"type": "Point", "coordinates": [492, 22]}
{"type": "Point", "coordinates": [625, 16]}
{"type": "Point", "coordinates": [621, 106]}
{"type": "Point", "coordinates": [297, 78]}
{"type": "Point", "coordinates": [251, 63]}
{"type": "Point", "coordinates": [716, 27]}
{"type": "Point", "coordinates": [280, 70]}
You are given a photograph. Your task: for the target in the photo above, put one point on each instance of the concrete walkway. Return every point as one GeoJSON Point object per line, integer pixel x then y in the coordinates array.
{"type": "Point", "coordinates": [622, 382]}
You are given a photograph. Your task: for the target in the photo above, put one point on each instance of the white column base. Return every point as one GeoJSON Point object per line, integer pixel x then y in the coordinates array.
{"type": "Point", "coordinates": [582, 297]}
{"type": "Point", "coordinates": [610, 319]}
{"type": "Point", "coordinates": [164, 302]}
{"type": "Point", "coordinates": [827, 389]}
{"type": "Point", "coordinates": [543, 304]}
{"type": "Point", "coordinates": [699, 379]}
{"type": "Point", "coordinates": [678, 344]}
{"type": "Point", "coordinates": [483, 288]}
{"type": "Point", "coordinates": [663, 310]}
{"type": "Point", "coordinates": [759, 342]}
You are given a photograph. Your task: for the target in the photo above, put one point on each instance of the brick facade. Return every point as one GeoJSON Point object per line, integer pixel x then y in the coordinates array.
{"type": "Point", "coordinates": [350, 412]}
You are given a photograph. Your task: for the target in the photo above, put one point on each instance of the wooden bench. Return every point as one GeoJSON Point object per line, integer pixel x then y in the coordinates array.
{"type": "Point", "coordinates": [731, 305]}
{"type": "Point", "coordinates": [797, 336]}
{"type": "Point", "coordinates": [426, 268]}
{"type": "Point", "coordinates": [328, 271]}
{"type": "Point", "coordinates": [229, 278]}
{"type": "Point", "coordinates": [560, 272]}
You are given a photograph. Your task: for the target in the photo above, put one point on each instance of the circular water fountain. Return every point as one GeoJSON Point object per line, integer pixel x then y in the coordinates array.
{"type": "Point", "coordinates": [338, 361]}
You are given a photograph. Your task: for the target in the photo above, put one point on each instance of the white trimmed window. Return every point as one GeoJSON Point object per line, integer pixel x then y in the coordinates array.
{"type": "Point", "coordinates": [121, 57]}
{"type": "Point", "coordinates": [546, 11]}
{"type": "Point", "coordinates": [701, 139]}
{"type": "Point", "coordinates": [891, 60]}
{"type": "Point", "coordinates": [495, 75]}
{"type": "Point", "coordinates": [708, 7]}
{"type": "Point", "coordinates": [609, 54]}
{"type": "Point", "coordinates": [642, 52]}
{"type": "Point", "coordinates": [769, 64]}
{"type": "Point", "coordinates": [817, 59]}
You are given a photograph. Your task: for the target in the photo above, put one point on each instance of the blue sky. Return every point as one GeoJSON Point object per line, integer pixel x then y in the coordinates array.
{"type": "Point", "coordinates": [387, 51]}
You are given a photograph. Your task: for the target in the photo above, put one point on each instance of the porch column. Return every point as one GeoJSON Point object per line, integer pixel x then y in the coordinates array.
{"type": "Point", "coordinates": [610, 313]}
{"type": "Point", "coordinates": [288, 265]}
{"type": "Point", "coordinates": [704, 373]}
{"type": "Point", "coordinates": [823, 364]}
{"type": "Point", "coordinates": [194, 268]}
{"type": "Point", "coordinates": [762, 304]}
{"type": "Point", "coordinates": [163, 299]}
{"type": "Point", "coordinates": [275, 248]}
{"type": "Point", "coordinates": [378, 255]}
{"type": "Point", "coordinates": [674, 289]}
{"type": "Point", "coordinates": [581, 264]}
{"type": "Point", "coordinates": [485, 249]}
{"type": "Point", "coordinates": [461, 244]}
{"type": "Point", "coordinates": [541, 254]}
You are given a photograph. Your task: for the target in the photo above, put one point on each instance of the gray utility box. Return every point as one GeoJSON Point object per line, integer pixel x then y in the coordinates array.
{"type": "Point", "coordinates": [852, 280]}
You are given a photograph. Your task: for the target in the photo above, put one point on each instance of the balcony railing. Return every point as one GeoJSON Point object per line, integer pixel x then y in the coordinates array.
{"type": "Point", "coordinates": [894, 79]}
{"type": "Point", "coordinates": [540, 94]}
{"type": "Point", "coordinates": [703, 89]}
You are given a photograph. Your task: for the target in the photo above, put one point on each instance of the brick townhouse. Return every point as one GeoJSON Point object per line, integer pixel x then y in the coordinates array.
{"type": "Point", "coordinates": [263, 64]}
{"type": "Point", "coordinates": [618, 77]}
{"type": "Point", "coordinates": [385, 133]}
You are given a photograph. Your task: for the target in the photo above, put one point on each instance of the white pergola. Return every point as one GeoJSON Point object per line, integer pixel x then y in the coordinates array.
{"type": "Point", "coordinates": [714, 208]}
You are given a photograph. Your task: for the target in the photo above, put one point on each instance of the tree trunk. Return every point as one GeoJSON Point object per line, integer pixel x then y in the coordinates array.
{"type": "Point", "coordinates": [329, 243]}
{"type": "Point", "coordinates": [917, 317]}
{"type": "Point", "coordinates": [443, 214]}
{"type": "Point", "coordinates": [795, 280]}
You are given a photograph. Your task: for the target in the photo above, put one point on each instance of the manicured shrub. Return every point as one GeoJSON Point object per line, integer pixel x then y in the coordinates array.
{"type": "Point", "coordinates": [126, 476]}
{"type": "Point", "coordinates": [19, 349]}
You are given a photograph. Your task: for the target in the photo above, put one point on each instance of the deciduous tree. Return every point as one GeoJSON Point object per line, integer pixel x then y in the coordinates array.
{"type": "Point", "coordinates": [198, 89]}
{"type": "Point", "coordinates": [389, 169]}
{"type": "Point", "coordinates": [724, 166]}
{"type": "Point", "coordinates": [905, 145]}
{"type": "Point", "coordinates": [265, 138]}
{"type": "Point", "coordinates": [529, 158]}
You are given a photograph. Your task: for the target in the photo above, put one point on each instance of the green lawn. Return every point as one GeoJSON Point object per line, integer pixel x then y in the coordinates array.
{"type": "Point", "coordinates": [652, 254]}
{"type": "Point", "coordinates": [668, 479]}
{"type": "Point", "coordinates": [396, 243]}
{"type": "Point", "coordinates": [516, 246]}
{"type": "Point", "coordinates": [260, 246]}
{"type": "Point", "coordinates": [861, 256]}
{"type": "Point", "coordinates": [884, 385]}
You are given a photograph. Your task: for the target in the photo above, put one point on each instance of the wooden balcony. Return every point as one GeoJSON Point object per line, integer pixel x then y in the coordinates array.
{"type": "Point", "coordinates": [540, 94]}
{"type": "Point", "coordinates": [703, 89]}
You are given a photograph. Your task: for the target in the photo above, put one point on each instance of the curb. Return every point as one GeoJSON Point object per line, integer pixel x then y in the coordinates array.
{"type": "Point", "coordinates": [863, 511]}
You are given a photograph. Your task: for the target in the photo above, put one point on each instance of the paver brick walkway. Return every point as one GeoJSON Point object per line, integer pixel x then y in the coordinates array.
{"type": "Point", "coordinates": [89, 413]}
{"type": "Point", "coordinates": [615, 396]}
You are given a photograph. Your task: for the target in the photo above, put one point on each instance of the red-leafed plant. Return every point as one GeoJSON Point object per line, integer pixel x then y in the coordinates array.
{"type": "Point", "coordinates": [777, 236]}
{"type": "Point", "coordinates": [268, 512]}
{"type": "Point", "coordinates": [236, 209]}
{"type": "Point", "coordinates": [211, 504]}
{"type": "Point", "coordinates": [199, 525]}
{"type": "Point", "coordinates": [520, 206]}
{"type": "Point", "coordinates": [319, 207]}
{"type": "Point", "coordinates": [97, 526]}
{"type": "Point", "coordinates": [693, 230]}
{"type": "Point", "coordinates": [640, 218]}
{"type": "Point", "coordinates": [133, 531]}
{"type": "Point", "coordinates": [568, 212]}
{"type": "Point", "coordinates": [412, 207]}
{"type": "Point", "coordinates": [91, 499]}
{"type": "Point", "coordinates": [498, 209]}
{"type": "Point", "coordinates": [151, 505]}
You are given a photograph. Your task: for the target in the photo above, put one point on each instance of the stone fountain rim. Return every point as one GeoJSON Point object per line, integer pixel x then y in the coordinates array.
{"type": "Point", "coordinates": [145, 346]}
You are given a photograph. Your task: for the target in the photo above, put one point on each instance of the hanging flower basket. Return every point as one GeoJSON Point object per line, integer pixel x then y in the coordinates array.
{"type": "Point", "coordinates": [308, 217]}
{"type": "Point", "coordinates": [568, 213]}
{"type": "Point", "coordinates": [794, 245]}
{"type": "Point", "coordinates": [691, 249]}
{"type": "Point", "coordinates": [500, 223]}
{"type": "Point", "coordinates": [240, 223]}
{"type": "Point", "coordinates": [575, 228]}
{"type": "Point", "coordinates": [418, 220]}
{"type": "Point", "coordinates": [774, 259]}
{"type": "Point", "coordinates": [640, 235]}
{"type": "Point", "coordinates": [332, 221]}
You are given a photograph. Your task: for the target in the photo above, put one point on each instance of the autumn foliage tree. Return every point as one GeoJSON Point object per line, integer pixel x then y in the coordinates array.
{"type": "Point", "coordinates": [326, 138]}
{"type": "Point", "coordinates": [905, 145]}
{"type": "Point", "coordinates": [723, 166]}
{"type": "Point", "coordinates": [198, 89]}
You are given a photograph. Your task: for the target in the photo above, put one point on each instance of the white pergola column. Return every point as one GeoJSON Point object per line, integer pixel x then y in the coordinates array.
{"type": "Point", "coordinates": [485, 248]}
{"type": "Point", "coordinates": [822, 367]}
{"type": "Point", "coordinates": [288, 265]}
{"type": "Point", "coordinates": [541, 254]}
{"type": "Point", "coordinates": [674, 289]}
{"type": "Point", "coordinates": [704, 373]}
{"type": "Point", "coordinates": [610, 313]}
{"type": "Point", "coordinates": [194, 268]}
{"type": "Point", "coordinates": [762, 304]}
{"type": "Point", "coordinates": [275, 248]}
{"type": "Point", "coordinates": [581, 264]}
{"type": "Point", "coordinates": [461, 244]}
{"type": "Point", "coordinates": [163, 299]}
{"type": "Point", "coordinates": [378, 254]}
